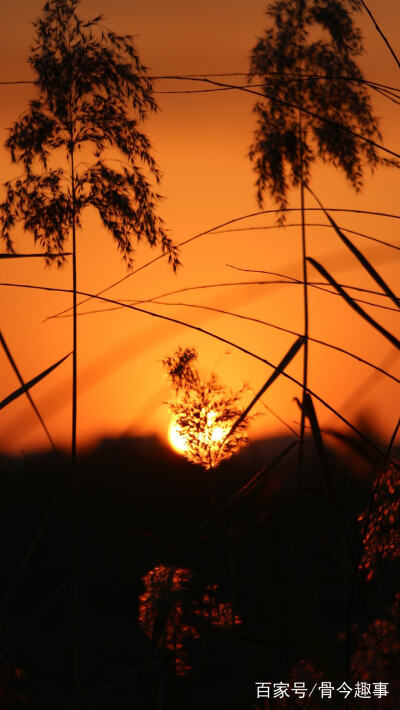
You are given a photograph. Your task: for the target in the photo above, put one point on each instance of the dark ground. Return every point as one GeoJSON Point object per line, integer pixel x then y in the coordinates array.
{"type": "Point", "coordinates": [279, 557]}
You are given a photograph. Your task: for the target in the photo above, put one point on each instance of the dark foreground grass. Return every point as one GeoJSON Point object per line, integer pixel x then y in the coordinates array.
{"type": "Point", "coordinates": [277, 558]}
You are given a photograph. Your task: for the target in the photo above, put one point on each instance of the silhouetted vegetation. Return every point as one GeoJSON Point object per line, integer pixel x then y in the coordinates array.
{"type": "Point", "coordinates": [291, 573]}
{"type": "Point", "coordinates": [250, 588]}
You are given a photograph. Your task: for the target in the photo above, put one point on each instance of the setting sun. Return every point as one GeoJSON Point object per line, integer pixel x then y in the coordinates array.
{"type": "Point", "coordinates": [199, 354]}
{"type": "Point", "coordinates": [212, 436]}
{"type": "Point", "coordinates": [177, 441]}
{"type": "Point", "coordinates": [207, 423]}
{"type": "Point", "coordinates": [215, 433]}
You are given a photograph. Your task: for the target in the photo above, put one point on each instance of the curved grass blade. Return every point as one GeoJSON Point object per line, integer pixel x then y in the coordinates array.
{"type": "Point", "coordinates": [232, 344]}
{"type": "Point", "coordinates": [32, 403]}
{"type": "Point", "coordinates": [310, 413]}
{"type": "Point", "coordinates": [31, 383]}
{"type": "Point", "coordinates": [214, 230]}
{"type": "Point", "coordinates": [309, 224]}
{"type": "Point", "coordinates": [385, 39]}
{"type": "Point", "coordinates": [278, 370]}
{"type": "Point", "coordinates": [392, 339]}
{"type": "Point", "coordinates": [358, 358]}
{"type": "Point", "coordinates": [360, 256]}
{"type": "Point", "coordinates": [366, 264]}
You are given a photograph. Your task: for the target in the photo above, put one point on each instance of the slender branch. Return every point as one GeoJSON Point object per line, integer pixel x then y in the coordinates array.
{"type": "Point", "coordinates": [309, 224]}
{"type": "Point", "coordinates": [358, 358]}
{"type": "Point", "coordinates": [385, 39]}
{"type": "Point", "coordinates": [296, 106]}
{"type": "Point", "coordinates": [284, 281]}
{"type": "Point", "coordinates": [219, 226]}
{"type": "Point", "coordinates": [316, 284]}
{"type": "Point", "coordinates": [289, 76]}
{"type": "Point", "coordinates": [44, 255]}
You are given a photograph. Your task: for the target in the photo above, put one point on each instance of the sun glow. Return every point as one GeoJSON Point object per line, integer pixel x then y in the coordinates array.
{"type": "Point", "coordinates": [215, 433]}
{"type": "Point", "coordinates": [177, 441]}
{"type": "Point", "coordinates": [212, 436]}
{"type": "Point", "coordinates": [208, 424]}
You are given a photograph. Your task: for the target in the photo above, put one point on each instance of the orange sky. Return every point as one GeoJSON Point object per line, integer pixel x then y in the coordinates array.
{"type": "Point", "coordinates": [201, 143]}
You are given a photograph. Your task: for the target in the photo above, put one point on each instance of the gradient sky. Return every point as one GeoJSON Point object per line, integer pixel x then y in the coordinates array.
{"type": "Point", "coordinates": [201, 143]}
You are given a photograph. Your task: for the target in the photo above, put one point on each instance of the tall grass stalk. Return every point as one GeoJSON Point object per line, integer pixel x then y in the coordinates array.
{"type": "Point", "coordinates": [76, 645]}
{"type": "Point", "coordinates": [300, 459]}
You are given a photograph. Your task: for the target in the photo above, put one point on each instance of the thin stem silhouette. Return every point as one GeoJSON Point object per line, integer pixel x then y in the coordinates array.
{"type": "Point", "coordinates": [309, 224]}
{"type": "Point", "coordinates": [378, 369]}
{"type": "Point", "coordinates": [214, 229]}
{"type": "Point", "coordinates": [238, 347]}
{"type": "Point", "coordinates": [385, 39]}
{"type": "Point", "coordinates": [300, 460]}
{"type": "Point", "coordinates": [28, 394]}
{"type": "Point", "coordinates": [89, 96]}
